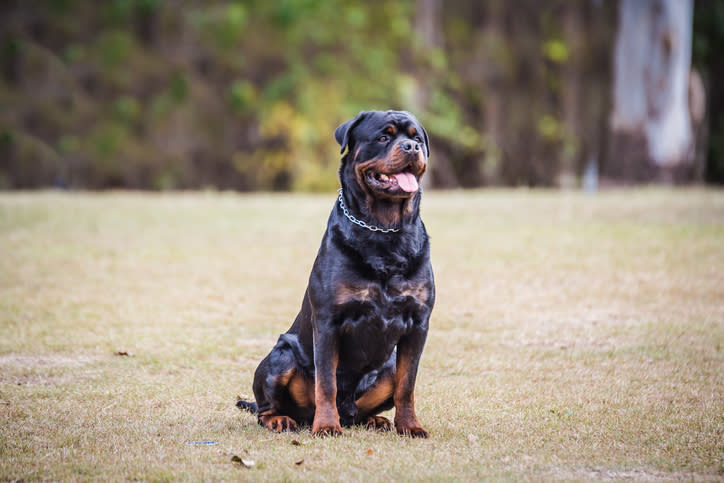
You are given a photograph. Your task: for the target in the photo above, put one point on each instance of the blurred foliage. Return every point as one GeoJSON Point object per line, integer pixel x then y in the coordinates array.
{"type": "Point", "coordinates": [245, 95]}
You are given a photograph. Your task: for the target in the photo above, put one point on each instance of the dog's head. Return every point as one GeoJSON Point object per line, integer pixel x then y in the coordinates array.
{"type": "Point", "coordinates": [388, 153]}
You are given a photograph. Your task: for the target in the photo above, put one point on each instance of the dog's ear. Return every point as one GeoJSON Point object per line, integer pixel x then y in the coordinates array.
{"type": "Point", "coordinates": [341, 134]}
{"type": "Point", "coordinates": [424, 138]}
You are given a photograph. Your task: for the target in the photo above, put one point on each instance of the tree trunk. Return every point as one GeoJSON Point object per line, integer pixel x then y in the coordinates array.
{"type": "Point", "coordinates": [493, 83]}
{"type": "Point", "coordinates": [572, 74]}
{"type": "Point", "coordinates": [427, 24]}
{"type": "Point", "coordinates": [651, 132]}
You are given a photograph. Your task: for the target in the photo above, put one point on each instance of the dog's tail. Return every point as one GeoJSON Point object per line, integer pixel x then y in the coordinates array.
{"type": "Point", "coordinates": [246, 405]}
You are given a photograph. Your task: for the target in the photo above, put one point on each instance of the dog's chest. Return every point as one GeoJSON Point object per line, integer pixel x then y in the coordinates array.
{"type": "Point", "coordinates": [382, 300]}
{"type": "Point", "coordinates": [373, 317]}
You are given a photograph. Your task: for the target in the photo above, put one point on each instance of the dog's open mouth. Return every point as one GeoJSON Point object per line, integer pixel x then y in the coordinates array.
{"type": "Point", "coordinates": [404, 181]}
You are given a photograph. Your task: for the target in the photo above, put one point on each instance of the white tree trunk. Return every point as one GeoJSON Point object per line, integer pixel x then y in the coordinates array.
{"type": "Point", "coordinates": [652, 60]}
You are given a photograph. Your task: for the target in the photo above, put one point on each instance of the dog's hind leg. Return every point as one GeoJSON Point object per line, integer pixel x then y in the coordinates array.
{"type": "Point", "coordinates": [284, 393]}
{"type": "Point", "coordinates": [374, 394]}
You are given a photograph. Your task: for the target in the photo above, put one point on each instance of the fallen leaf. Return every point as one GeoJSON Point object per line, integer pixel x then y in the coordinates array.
{"type": "Point", "coordinates": [122, 354]}
{"type": "Point", "coordinates": [369, 451]}
{"type": "Point", "coordinates": [242, 462]}
{"type": "Point", "coordinates": [299, 462]}
{"type": "Point", "coordinates": [296, 443]}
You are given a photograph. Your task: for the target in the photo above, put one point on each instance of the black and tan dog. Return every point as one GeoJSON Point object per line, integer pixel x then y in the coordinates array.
{"type": "Point", "coordinates": [354, 348]}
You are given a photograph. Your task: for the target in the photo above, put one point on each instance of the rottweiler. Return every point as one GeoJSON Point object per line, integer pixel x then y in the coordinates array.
{"type": "Point", "coordinates": [354, 348]}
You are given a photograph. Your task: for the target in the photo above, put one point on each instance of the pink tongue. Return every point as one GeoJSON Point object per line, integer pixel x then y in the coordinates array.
{"type": "Point", "coordinates": [407, 181]}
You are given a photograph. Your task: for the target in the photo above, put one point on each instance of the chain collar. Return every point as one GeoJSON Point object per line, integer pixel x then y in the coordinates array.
{"type": "Point", "coordinates": [360, 222]}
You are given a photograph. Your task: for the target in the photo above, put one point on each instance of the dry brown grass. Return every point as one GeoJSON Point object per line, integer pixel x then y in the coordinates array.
{"type": "Point", "coordinates": [574, 337]}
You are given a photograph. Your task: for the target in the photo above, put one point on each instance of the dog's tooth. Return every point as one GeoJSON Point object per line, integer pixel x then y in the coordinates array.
{"type": "Point", "coordinates": [384, 177]}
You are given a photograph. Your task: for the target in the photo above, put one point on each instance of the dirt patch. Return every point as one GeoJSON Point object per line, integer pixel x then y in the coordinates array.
{"type": "Point", "coordinates": [54, 360]}
{"type": "Point", "coordinates": [638, 475]}
{"type": "Point", "coordinates": [41, 370]}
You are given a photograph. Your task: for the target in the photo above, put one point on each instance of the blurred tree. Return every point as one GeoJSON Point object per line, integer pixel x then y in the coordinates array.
{"type": "Point", "coordinates": [570, 52]}
{"type": "Point", "coordinates": [707, 56]}
{"type": "Point", "coordinates": [427, 25]}
{"type": "Point", "coordinates": [652, 136]}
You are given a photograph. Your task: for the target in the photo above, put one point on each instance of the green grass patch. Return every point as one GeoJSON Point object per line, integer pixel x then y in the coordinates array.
{"type": "Point", "coordinates": [574, 337]}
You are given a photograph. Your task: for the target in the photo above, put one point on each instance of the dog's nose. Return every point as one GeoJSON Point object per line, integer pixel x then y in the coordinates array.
{"type": "Point", "coordinates": [410, 146]}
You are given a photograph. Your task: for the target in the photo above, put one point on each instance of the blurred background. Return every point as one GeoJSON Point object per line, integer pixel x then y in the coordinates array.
{"type": "Point", "coordinates": [245, 95]}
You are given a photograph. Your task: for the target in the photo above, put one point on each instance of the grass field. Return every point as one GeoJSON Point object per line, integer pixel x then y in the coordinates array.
{"type": "Point", "coordinates": [574, 337]}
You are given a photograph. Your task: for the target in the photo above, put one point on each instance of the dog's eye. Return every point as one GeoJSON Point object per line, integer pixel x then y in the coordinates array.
{"type": "Point", "coordinates": [418, 139]}
{"type": "Point", "coordinates": [383, 138]}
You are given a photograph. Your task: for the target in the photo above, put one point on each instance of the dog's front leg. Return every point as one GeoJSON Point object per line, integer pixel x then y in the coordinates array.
{"type": "Point", "coordinates": [409, 349]}
{"type": "Point", "coordinates": [326, 356]}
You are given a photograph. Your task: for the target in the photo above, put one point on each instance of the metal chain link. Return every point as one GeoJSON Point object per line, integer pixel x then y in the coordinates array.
{"type": "Point", "coordinates": [360, 222]}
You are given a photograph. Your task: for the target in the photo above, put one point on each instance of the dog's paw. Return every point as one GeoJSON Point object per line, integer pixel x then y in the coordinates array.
{"type": "Point", "coordinates": [279, 424]}
{"type": "Point", "coordinates": [417, 432]}
{"type": "Point", "coordinates": [379, 423]}
{"type": "Point", "coordinates": [411, 428]}
{"type": "Point", "coordinates": [323, 429]}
